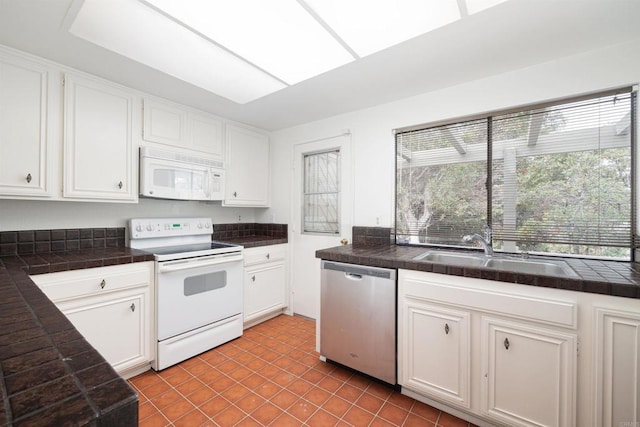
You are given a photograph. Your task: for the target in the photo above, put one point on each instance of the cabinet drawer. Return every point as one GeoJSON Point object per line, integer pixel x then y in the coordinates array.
{"type": "Point", "coordinates": [94, 281]}
{"type": "Point", "coordinates": [264, 254]}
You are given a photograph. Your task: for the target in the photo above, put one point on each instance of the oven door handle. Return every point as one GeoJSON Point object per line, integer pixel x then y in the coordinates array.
{"type": "Point", "coordinates": [169, 266]}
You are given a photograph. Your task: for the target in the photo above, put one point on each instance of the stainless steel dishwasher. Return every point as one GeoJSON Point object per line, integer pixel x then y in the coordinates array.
{"type": "Point", "coordinates": [358, 318]}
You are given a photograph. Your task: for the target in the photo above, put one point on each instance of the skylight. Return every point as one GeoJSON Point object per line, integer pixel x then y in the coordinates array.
{"type": "Point", "coordinates": [246, 49]}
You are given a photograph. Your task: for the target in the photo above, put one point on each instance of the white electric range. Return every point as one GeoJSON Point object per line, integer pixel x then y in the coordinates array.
{"type": "Point", "coordinates": [199, 286]}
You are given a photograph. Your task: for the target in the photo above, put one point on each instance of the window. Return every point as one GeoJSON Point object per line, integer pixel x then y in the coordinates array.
{"type": "Point", "coordinates": [552, 179]}
{"type": "Point", "coordinates": [321, 192]}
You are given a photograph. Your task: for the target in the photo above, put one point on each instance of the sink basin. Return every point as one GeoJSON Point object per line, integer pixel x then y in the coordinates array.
{"type": "Point", "coordinates": [556, 268]}
{"type": "Point", "coordinates": [546, 267]}
{"type": "Point", "coordinates": [452, 258]}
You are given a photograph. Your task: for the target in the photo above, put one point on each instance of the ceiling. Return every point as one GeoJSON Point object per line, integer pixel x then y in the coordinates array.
{"type": "Point", "coordinates": [511, 35]}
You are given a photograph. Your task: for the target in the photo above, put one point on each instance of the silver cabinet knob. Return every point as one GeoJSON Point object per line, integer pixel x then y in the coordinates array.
{"type": "Point", "coordinates": [506, 343]}
{"type": "Point", "coordinates": [120, 185]}
{"type": "Point", "coordinates": [268, 256]}
{"type": "Point", "coordinates": [28, 177]}
{"type": "Point", "coordinates": [253, 278]}
{"type": "Point", "coordinates": [103, 284]}
{"type": "Point", "coordinates": [235, 194]}
{"type": "Point", "coordinates": [446, 328]}
{"type": "Point", "coordinates": [133, 307]}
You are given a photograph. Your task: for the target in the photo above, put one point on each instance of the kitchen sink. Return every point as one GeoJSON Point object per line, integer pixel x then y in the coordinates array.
{"type": "Point", "coordinates": [451, 258]}
{"type": "Point", "coordinates": [546, 267]}
{"type": "Point", "coordinates": [556, 268]}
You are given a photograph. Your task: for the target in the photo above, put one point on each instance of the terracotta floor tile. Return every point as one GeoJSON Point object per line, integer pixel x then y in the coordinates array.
{"type": "Point", "coordinates": [284, 399]}
{"type": "Point", "coordinates": [415, 421]}
{"type": "Point", "coordinates": [401, 400]}
{"type": "Point", "coordinates": [447, 420]}
{"type": "Point", "coordinates": [201, 395]}
{"type": "Point", "coordinates": [178, 377]}
{"type": "Point", "coordinates": [214, 406]}
{"type": "Point", "coordinates": [178, 409]}
{"type": "Point", "coordinates": [253, 381]}
{"type": "Point", "coordinates": [425, 411]}
{"type": "Point", "coordinates": [302, 409]}
{"type": "Point", "coordinates": [317, 396]}
{"type": "Point", "coordinates": [266, 413]}
{"type": "Point", "coordinates": [229, 416]}
{"type": "Point", "coordinates": [349, 393]}
{"type": "Point", "coordinates": [190, 419]}
{"type": "Point", "coordinates": [268, 389]}
{"type": "Point", "coordinates": [369, 402]}
{"type": "Point", "coordinates": [156, 420]}
{"type": "Point", "coordinates": [272, 376]}
{"type": "Point", "coordinates": [235, 392]}
{"type": "Point", "coordinates": [165, 399]}
{"type": "Point", "coordinates": [358, 417]}
{"type": "Point", "coordinates": [286, 420]}
{"type": "Point", "coordinates": [393, 413]}
{"type": "Point", "coordinates": [299, 387]}
{"type": "Point", "coordinates": [156, 389]}
{"type": "Point", "coordinates": [337, 406]}
{"type": "Point", "coordinates": [146, 410]}
{"type": "Point", "coordinates": [250, 402]}
{"type": "Point", "coordinates": [322, 419]}
{"type": "Point", "coordinates": [190, 386]}
{"type": "Point", "coordinates": [330, 384]}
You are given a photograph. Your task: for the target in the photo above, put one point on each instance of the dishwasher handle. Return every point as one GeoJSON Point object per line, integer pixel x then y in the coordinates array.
{"type": "Point", "coordinates": [359, 271]}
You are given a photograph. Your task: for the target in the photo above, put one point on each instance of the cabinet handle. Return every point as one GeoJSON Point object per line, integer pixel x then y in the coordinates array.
{"type": "Point", "coordinates": [102, 284]}
{"type": "Point", "coordinates": [28, 177]}
{"type": "Point", "coordinates": [120, 185]}
{"type": "Point", "coordinates": [133, 307]}
{"type": "Point", "coordinates": [253, 278]}
{"type": "Point", "coordinates": [268, 256]}
{"type": "Point", "coordinates": [446, 328]}
{"type": "Point", "coordinates": [235, 194]}
{"type": "Point", "coordinates": [506, 343]}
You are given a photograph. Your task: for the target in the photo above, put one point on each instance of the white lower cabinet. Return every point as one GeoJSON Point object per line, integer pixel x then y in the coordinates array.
{"type": "Point", "coordinates": [528, 374]}
{"type": "Point", "coordinates": [111, 307]}
{"type": "Point", "coordinates": [499, 358]}
{"type": "Point", "coordinates": [437, 343]}
{"type": "Point", "coordinates": [265, 283]}
{"type": "Point", "coordinates": [617, 367]}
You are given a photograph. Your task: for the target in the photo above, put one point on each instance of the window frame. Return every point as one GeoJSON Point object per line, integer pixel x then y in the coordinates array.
{"type": "Point", "coordinates": [634, 188]}
{"type": "Point", "coordinates": [338, 193]}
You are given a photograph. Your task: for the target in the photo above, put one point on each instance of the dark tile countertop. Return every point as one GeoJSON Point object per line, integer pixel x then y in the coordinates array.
{"type": "Point", "coordinates": [255, 241]}
{"type": "Point", "coordinates": [251, 235]}
{"type": "Point", "coordinates": [602, 277]}
{"type": "Point", "coordinates": [49, 374]}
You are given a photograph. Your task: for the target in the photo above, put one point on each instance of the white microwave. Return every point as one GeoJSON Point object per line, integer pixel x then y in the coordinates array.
{"type": "Point", "coordinates": [171, 175]}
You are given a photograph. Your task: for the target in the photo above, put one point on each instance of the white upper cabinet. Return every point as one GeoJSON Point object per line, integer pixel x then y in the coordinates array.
{"type": "Point", "coordinates": [99, 154]}
{"type": "Point", "coordinates": [247, 165]}
{"type": "Point", "coordinates": [182, 127]}
{"type": "Point", "coordinates": [24, 147]}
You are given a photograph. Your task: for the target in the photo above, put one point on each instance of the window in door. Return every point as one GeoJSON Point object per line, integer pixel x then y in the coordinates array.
{"type": "Point", "coordinates": [321, 192]}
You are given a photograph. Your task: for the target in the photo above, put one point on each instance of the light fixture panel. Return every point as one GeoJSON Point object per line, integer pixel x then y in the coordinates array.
{"type": "Point", "coordinates": [134, 30]}
{"type": "Point", "coordinates": [369, 26]}
{"type": "Point", "coordinates": [279, 36]}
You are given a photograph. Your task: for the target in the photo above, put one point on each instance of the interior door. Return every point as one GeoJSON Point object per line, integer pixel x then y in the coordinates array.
{"type": "Point", "coordinates": [305, 268]}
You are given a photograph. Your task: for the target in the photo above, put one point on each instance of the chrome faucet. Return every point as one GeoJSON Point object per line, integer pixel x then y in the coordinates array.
{"type": "Point", "coordinates": [486, 241]}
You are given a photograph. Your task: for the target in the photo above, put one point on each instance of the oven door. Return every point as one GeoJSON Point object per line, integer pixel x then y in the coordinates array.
{"type": "Point", "coordinates": [195, 292]}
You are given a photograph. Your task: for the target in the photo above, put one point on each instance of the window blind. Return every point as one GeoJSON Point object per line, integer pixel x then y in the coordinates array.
{"type": "Point", "coordinates": [553, 178]}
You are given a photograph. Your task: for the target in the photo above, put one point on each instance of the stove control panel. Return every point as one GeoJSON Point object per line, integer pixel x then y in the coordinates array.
{"type": "Point", "coordinates": [146, 228]}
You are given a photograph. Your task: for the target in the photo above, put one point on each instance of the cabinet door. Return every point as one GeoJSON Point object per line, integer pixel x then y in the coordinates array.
{"type": "Point", "coordinates": [528, 374]}
{"type": "Point", "coordinates": [434, 346]}
{"type": "Point", "coordinates": [23, 128]}
{"type": "Point", "coordinates": [206, 135]}
{"type": "Point", "coordinates": [164, 124]}
{"type": "Point", "coordinates": [117, 326]}
{"type": "Point", "coordinates": [247, 166]}
{"type": "Point", "coordinates": [263, 290]}
{"type": "Point", "coordinates": [99, 157]}
{"type": "Point", "coordinates": [617, 368]}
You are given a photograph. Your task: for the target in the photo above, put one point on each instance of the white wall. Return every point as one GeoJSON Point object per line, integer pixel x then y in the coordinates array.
{"type": "Point", "coordinates": [372, 137]}
{"type": "Point", "coordinates": [45, 215]}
